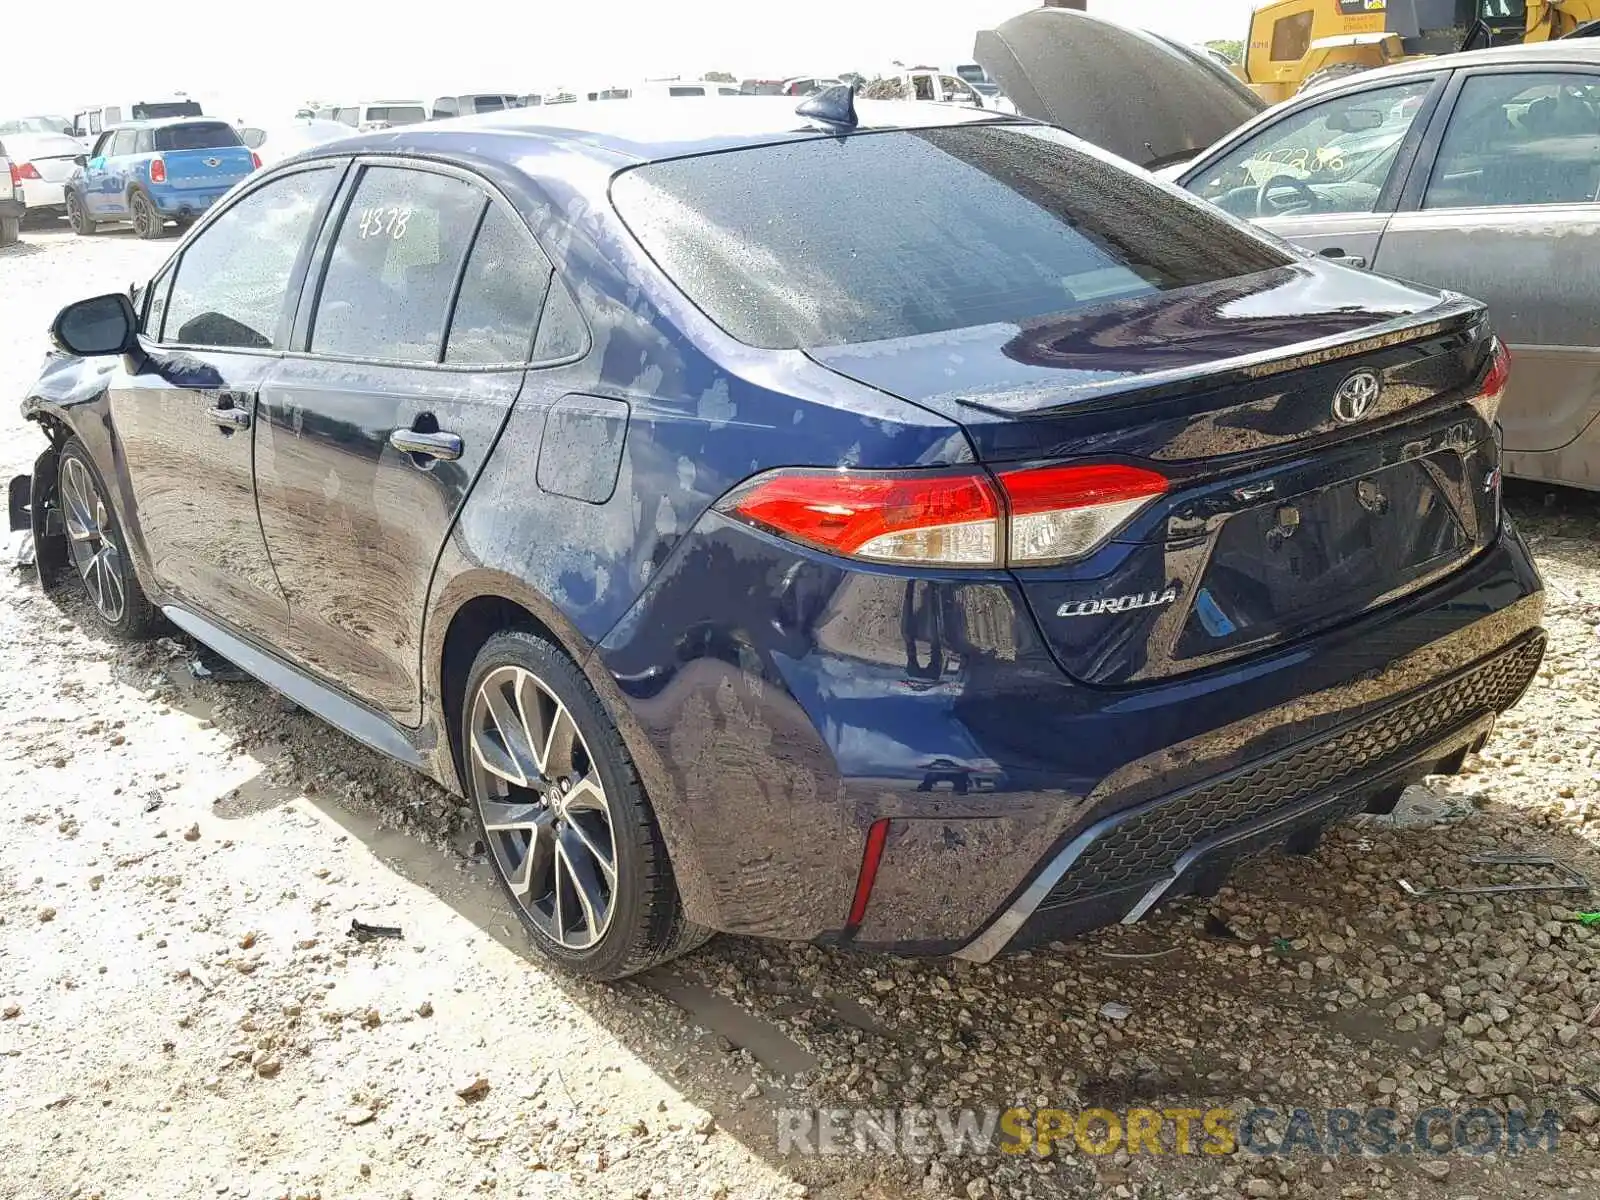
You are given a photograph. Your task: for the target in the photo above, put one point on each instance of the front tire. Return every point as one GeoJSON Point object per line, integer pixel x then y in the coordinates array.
{"type": "Point", "coordinates": [78, 216]}
{"type": "Point", "coordinates": [97, 548]}
{"type": "Point", "coordinates": [565, 819]}
{"type": "Point", "coordinates": [148, 223]}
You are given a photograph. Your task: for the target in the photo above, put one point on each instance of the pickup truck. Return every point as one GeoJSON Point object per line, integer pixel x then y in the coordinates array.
{"type": "Point", "coordinates": [153, 172]}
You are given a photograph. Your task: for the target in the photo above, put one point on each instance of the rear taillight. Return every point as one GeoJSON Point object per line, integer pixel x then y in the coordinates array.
{"type": "Point", "coordinates": [969, 518]}
{"type": "Point", "coordinates": [158, 169]}
{"type": "Point", "coordinates": [255, 160]}
{"type": "Point", "coordinates": [1493, 388]}
{"type": "Point", "coordinates": [1059, 513]}
{"type": "Point", "coordinates": [23, 171]}
{"type": "Point", "coordinates": [934, 518]}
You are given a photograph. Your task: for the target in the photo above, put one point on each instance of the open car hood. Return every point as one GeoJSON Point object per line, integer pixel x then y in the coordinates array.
{"type": "Point", "coordinates": [1150, 99]}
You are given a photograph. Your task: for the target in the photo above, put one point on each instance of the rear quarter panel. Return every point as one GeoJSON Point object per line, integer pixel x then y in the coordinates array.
{"type": "Point", "coordinates": [704, 413]}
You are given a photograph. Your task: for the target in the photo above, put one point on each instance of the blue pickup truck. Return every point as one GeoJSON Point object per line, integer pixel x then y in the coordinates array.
{"type": "Point", "coordinates": [153, 172]}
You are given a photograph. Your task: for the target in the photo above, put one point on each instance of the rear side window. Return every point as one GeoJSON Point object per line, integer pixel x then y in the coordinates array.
{"type": "Point", "coordinates": [172, 108]}
{"type": "Point", "coordinates": [397, 114]}
{"type": "Point", "coordinates": [233, 281]}
{"type": "Point", "coordinates": [208, 135]}
{"type": "Point", "coordinates": [798, 245]}
{"type": "Point", "coordinates": [1518, 140]}
{"type": "Point", "coordinates": [399, 251]}
{"type": "Point", "coordinates": [501, 295]}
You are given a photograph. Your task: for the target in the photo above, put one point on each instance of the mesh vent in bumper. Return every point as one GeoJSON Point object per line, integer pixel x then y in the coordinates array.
{"type": "Point", "coordinates": [1150, 841]}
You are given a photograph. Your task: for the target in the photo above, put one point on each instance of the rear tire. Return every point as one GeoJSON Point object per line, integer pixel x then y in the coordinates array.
{"type": "Point", "coordinates": [560, 808]}
{"type": "Point", "coordinates": [97, 548]}
{"type": "Point", "coordinates": [148, 223]}
{"type": "Point", "coordinates": [78, 216]}
{"type": "Point", "coordinates": [1331, 74]}
{"type": "Point", "coordinates": [10, 231]}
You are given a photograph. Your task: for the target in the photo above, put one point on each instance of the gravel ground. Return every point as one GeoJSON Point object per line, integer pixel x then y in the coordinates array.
{"type": "Point", "coordinates": [183, 1013]}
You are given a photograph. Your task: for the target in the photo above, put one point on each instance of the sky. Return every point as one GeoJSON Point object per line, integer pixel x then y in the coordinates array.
{"type": "Point", "coordinates": [260, 61]}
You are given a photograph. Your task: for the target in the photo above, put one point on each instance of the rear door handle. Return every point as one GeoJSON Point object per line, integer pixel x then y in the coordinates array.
{"type": "Point", "coordinates": [427, 445]}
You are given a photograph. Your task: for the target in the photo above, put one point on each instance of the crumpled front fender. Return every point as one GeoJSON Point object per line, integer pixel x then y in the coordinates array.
{"type": "Point", "coordinates": [64, 383]}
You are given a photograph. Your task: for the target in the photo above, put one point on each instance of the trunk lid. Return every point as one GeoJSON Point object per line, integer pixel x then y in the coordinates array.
{"type": "Point", "coordinates": [52, 155]}
{"type": "Point", "coordinates": [212, 168]}
{"type": "Point", "coordinates": [1074, 70]}
{"type": "Point", "coordinates": [1283, 516]}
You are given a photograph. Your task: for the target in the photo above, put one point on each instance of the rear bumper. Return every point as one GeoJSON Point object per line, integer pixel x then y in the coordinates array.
{"type": "Point", "coordinates": [188, 203]}
{"type": "Point", "coordinates": [1122, 865]}
{"type": "Point", "coordinates": [44, 197]}
{"type": "Point", "coordinates": [779, 715]}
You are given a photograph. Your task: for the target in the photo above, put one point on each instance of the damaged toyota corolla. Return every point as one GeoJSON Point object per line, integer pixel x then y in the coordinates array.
{"type": "Point", "coordinates": [909, 529]}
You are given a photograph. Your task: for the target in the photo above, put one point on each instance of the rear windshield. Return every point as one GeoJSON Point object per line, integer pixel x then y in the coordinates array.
{"type": "Point", "coordinates": [161, 109]}
{"type": "Point", "coordinates": [397, 114]}
{"type": "Point", "coordinates": [206, 136]}
{"type": "Point", "coordinates": [488, 104]}
{"type": "Point", "coordinates": [843, 240]}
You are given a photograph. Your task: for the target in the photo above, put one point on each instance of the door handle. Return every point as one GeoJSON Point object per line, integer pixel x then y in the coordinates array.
{"type": "Point", "coordinates": [229, 413]}
{"type": "Point", "coordinates": [426, 445]}
{"type": "Point", "coordinates": [1337, 254]}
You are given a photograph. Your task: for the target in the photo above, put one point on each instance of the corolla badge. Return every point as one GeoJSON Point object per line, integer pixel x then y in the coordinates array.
{"type": "Point", "coordinates": [1355, 397]}
{"type": "Point", "coordinates": [213, 162]}
{"type": "Point", "coordinates": [1117, 604]}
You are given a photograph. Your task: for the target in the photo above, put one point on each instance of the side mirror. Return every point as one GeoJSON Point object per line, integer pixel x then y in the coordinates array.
{"type": "Point", "coordinates": [97, 326]}
{"type": "Point", "coordinates": [81, 160]}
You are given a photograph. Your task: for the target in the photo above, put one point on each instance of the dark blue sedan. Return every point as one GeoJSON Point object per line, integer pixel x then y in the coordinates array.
{"type": "Point", "coordinates": [910, 529]}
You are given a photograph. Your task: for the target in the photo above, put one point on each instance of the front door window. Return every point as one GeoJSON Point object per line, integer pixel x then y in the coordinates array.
{"type": "Point", "coordinates": [1332, 157]}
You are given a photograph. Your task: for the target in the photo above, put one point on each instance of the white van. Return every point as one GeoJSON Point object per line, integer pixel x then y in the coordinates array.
{"type": "Point", "coordinates": [374, 114]}
{"type": "Point", "coordinates": [445, 107]}
{"type": "Point", "coordinates": [90, 122]}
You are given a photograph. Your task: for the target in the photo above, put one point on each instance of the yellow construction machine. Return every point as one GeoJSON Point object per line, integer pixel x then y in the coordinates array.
{"type": "Point", "coordinates": [1299, 44]}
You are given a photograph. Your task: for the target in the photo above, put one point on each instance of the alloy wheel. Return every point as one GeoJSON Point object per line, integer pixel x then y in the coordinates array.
{"type": "Point", "coordinates": [145, 217]}
{"type": "Point", "coordinates": [90, 535]}
{"type": "Point", "coordinates": [544, 808]}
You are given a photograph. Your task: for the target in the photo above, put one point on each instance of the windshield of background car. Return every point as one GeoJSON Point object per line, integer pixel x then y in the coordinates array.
{"type": "Point", "coordinates": [207, 136]}
{"type": "Point", "coordinates": [1341, 149]}
{"type": "Point", "coordinates": [397, 114]}
{"type": "Point", "coordinates": [883, 235]}
{"type": "Point", "coordinates": [175, 108]}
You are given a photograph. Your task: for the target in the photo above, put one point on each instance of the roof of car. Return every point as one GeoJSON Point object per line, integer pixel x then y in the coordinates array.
{"type": "Point", "coordinates": [642, 131]}
{"type": "Point", "coordinates": [165, 122]}
{"type": "Point", "coordinates": [1570, 50]}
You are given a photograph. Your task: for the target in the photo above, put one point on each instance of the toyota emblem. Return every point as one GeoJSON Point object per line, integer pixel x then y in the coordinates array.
{"type": "Point", "coordinates": [213, 162]}
{"type": "Point", "coordinates": [1355, 397]}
